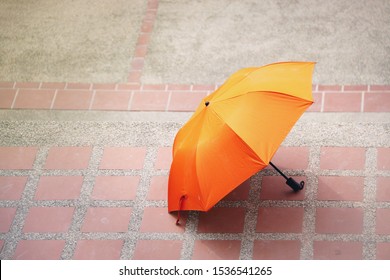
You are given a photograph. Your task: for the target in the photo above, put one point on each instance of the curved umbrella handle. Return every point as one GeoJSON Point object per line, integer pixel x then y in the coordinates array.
{"type": "Point", "coordinates": [290, 181]}
{"type": "Point", "coordinates": [295, 185]}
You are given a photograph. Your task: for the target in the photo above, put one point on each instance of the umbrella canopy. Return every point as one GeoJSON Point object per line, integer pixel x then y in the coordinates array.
{"type": "Point", "coordinates": [235, 132]}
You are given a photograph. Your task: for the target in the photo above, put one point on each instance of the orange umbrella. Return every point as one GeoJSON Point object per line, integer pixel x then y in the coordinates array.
{"type": "Point", "coordinates": [235, 132]}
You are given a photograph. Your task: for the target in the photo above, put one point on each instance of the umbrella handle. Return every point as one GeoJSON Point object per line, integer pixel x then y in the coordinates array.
{"type": "Point", "coordinates": [295, 185]}
{"type": "Point", "coordinates": [290, 181]}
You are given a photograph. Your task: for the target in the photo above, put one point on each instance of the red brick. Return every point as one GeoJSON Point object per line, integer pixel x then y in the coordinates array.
{"type": "Point", "coordinates": [147, 26]}
{"type": "Point", "coordinates": [73, 99]}
{"type": "Point", "coordinates": [56, 219]}
{"type": "Point", "coordinates": [53, 85]}
{"type": "Point", "coordinates": [98, 250]}
{"type": "Point", "coordinates": [222, 220]}
{"type": "Point", "coordinates": [339, 220]}
{"type": "Point", "coordinates": [68, 158]}
{"type": "Point", "coordinates": [140, 51]}
{"type": "Point", "coordinates": [123, 158]}
{"type": "Point", "coordinates": [180, 87]}
{"type": "Point", "coordinates": [30, 85]}
{"type": "Point", "coordinates": [85, 86]}
{"type": "Point", "coordinates": [377, 102]}
{"type": "Point", "coordinates": [7, 215]}
{"type": "Point", "coordinates": [216, 250]}
{"type": "Point", "coordinates": [159, 87]}
{"type": "Point", "coordinates": [150, 15]}
{"type": "Point", "coordinates": [17, 157]}
{"type": "Point", "coordinates": [280, 220]}
{"type": "Point", "coordinates": [34, 99]}
{"type": "Point", "coordinates": [204, 87]}
{"type": "Point", "coordinates": [58, 187]}
{"type": "Point", "coordinates": [164, 158]}
{"type": "Point", "coordinates": [185, 101]}
{"type": "Point", "coordinates": [329, 88]}
{"type": "Point", "coordinates": [39, 250]}
{"type": "Point", "coordinates": [12, 187]}
{"type": "Point", "coordinates": [158, 250]}
{"type": "Point", "coordinates": [134, 76]}
{"type": "Point", "coordinates": [343, 158]}
{"type": "Point", "coordinates": [340, 188]}
{"type": "Point", "coordinates": [276, 250]}
{"type": "Point", "coordinates": [158, 188]}
{"type": "Point", "coordinates": [383, 188]}
{"type": "Point", "coordinates": [143, 39]}
{"type": "Point", "coordinates": [7, 84]}
{"type": "Point", "coordinates": [115, 187]}
{"type": "Point", "coordinates": [166, 222]}
{"type": "Point", "coordinates": [383, 251]}
{"type": "Point", "coordinates": [7, 97]}
{"type": "Point", "coordinates": [275, 188]}
{"type": "Point", "coordinates": [107, 219]}
{"type": "Point", "coordinates": [343, 102]}
{"type": "Point", "coordinates": [291, 158]}
{"type": "Point", "coordinates": [380, 88]}
{"type": "Point", "coordinates": [111, 100]}
{"type": "Point", "coordinates": [104, 86]}
{"type": "Point", "coordinates": [383, 158]}
{"type": "Point", "coordinates": [137, 64]}
{"type": "Point", "coordinates": [337, 250]}
{"type": "Point", "coordinates": [149, 101]}
{"type": "Point", "coordinates": [355, 87]}
{"type": "Point", "coordinates": [128, 87]}
{"type": "Point", "coordinates": [382, 221]}
{"type": "Point", "coordinates": [239, 193]}
{"type": "Point", "coordinates": [152, 4]}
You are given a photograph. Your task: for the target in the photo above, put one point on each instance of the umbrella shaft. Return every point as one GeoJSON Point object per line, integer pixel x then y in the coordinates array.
{"type": "Point", "coordinates": [277, 169]}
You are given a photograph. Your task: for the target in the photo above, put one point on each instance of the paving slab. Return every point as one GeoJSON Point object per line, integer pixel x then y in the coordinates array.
{"type": "Point", "coordinates": [74, 41]}
{"type": "Point", "coordinates": [205, 41]}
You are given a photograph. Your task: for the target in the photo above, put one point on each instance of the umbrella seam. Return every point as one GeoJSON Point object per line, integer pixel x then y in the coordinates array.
{"type": "Point", "coordinates": [265, 91]}
{"type": "Point", "coordinates": [242, 140]}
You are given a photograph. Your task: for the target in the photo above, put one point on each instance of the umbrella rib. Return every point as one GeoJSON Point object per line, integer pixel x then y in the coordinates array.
{"type": "Point", "coordinates": [263, 91]}
{"type": "Point", "coordinates": [196, 159]}
{"type": "Point", "coordinates": [242, 140]}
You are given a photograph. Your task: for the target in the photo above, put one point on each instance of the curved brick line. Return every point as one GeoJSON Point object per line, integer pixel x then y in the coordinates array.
{"type": "Point", "coordinates": [137, 64]}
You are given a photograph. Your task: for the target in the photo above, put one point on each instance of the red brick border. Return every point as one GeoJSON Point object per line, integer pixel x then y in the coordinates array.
{"type": "Point", "coordinates": [141, 48]}
{"type": "Point", "coordinates": [170, 97]}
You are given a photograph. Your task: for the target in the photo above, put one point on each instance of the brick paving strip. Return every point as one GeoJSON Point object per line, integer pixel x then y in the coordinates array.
{"type": "Point", "coordinates": [168, 97]}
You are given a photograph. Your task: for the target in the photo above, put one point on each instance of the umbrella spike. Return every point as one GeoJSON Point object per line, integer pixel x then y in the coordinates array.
{"type": "Point", "coordinates": [290, 181]}
{"type": "Point", "coordinates": [180, 209]}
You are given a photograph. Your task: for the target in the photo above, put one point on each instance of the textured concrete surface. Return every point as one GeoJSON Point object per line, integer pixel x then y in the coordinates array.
{"type": "Point", "coordinates": [200, 42]}
{"type": "Point", "coordinates": [56, 41]}
{"type": "Point", "coordinates": [159, 128]}
{"type": "Point", "coordinates": [205, 41]}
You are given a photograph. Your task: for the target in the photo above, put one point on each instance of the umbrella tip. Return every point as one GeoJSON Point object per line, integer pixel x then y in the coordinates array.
{"type": "Point", "coordinates": [180, 209]}
{"type": "Point", "coordinates": [207, 103]}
